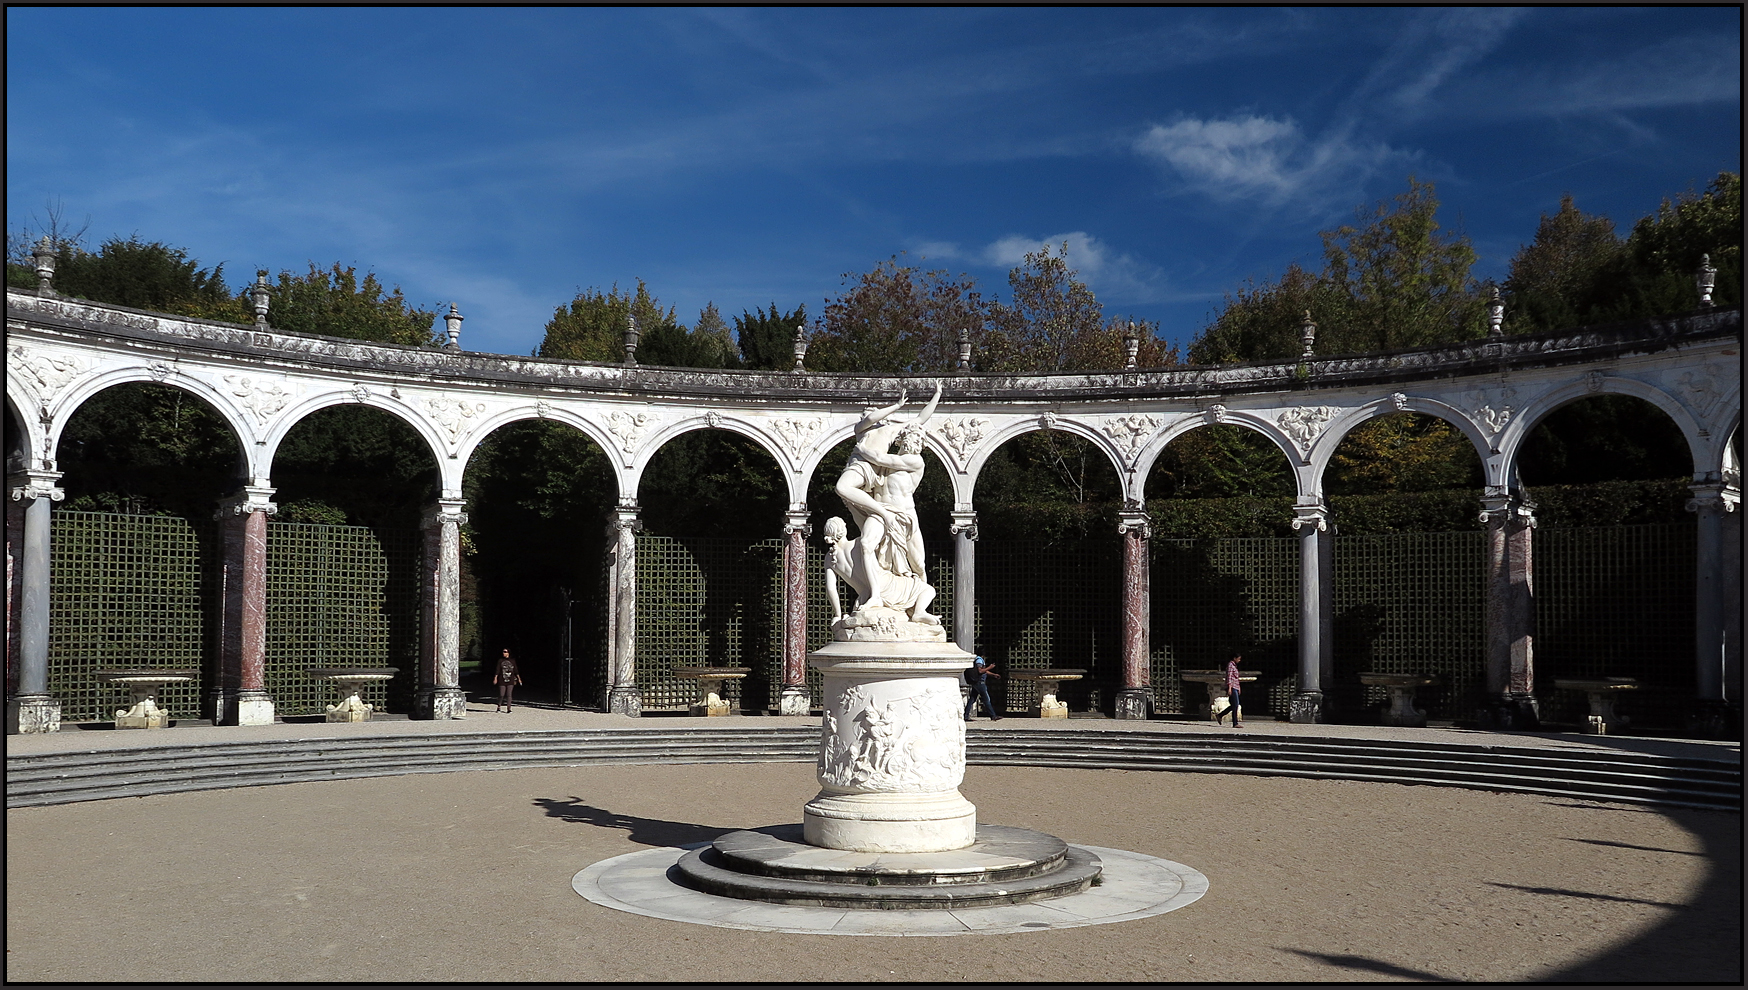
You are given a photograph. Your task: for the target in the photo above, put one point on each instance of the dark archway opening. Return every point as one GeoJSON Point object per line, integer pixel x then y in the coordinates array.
{"type": "Point", "coordinates": [533, 580]}
{"type": "Point", "coordinates": [1049, 568]}
{"type": "Point", "coordinates": [136, 572]}
{"type": "Point", "coordinates": [344, 555]}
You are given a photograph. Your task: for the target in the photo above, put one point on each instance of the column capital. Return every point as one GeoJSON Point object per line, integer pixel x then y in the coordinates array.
{"type": "Point", "coordinates": [798, 521]}
{"type": "Point", "coordinates": [1499, 504]}
{"type": "Point", "coordinates": [1710, 496]}
{"type": "Point", "coordinates": [624, 516]}
{"type": "Point", "coordinates": [1313, 515]}
{"type": "Point", "coordinates": [444, 510]}
{"type": "Point", "coordinates": [964, 524]}
{"type": "Point", "coordinates": [35, 484]}
{"type": "Point", "coordinates": [250, 498]}
{"type": "Point", "coordinates": [1134, 520]}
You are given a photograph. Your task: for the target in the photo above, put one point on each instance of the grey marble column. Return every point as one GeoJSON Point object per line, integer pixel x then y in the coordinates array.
{"type": "Point", "coordinates": [1135, 697]}
{"type": "Point", "coordinates": [31, 709]}
{"type": "Point", "coordinates": [1712, 504]}
{"type": "Point", "coordinates": [1508, 635]}
{"type": "Point", "coordinates": [440, 695]}
{"type": "Point", "coordinates": [1311, 522]}
{"type": "Point", "coordinates": [623, 695]}
{"type": "Point", "coordinates": [795, 699]}
{"type": "Point", "coordinates": [964, 528]}
{"type": "Point", "coordinates": [240, 695]}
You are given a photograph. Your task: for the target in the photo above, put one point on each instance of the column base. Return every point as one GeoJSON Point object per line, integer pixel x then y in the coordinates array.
{"type": "Point", "coordinates": [625, 701]}
{"type": "Point", "coordinates": [436, 704]}
{"type": "Point", "coordinates": [31, 713]}
{"type": "Point", "coordinates": [1307, 708]}
{"type": "Point", "coordinates": [1715, 720]}
{"type": "Point", "coordinates": [1133, 703]}
{"type": "Point", "coordinates": [890, 823]}
{"type": "Point", "coordinates": [795, 701]}
{"type": "Point", "coordinates": [1514, 713]}
{"type": "Point", "coordinates": [236, 707]}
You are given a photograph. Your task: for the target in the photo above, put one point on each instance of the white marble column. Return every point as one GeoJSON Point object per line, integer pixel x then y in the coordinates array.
{"type": "Point", "coordinates": [240, 695]}
{"type": "Point", "coordinates": [964, 528]}
{"type": "Point", "coordinates": [1509, 619]}
{"type": "Point", "coordinates": [794, 699]}
{"type": "Point", "coordinates": [1134, 698]}
{"type": "Point", "coordinates": [1311, 522]}
{"type": "Point", "coordinates": [440, 694]}
{"type": "Point", "coordinates": [31, 709]}
{"type": "Point", "coordinates": [623, 695]}
{"type": "Point", "coordinates": [1712, 504]}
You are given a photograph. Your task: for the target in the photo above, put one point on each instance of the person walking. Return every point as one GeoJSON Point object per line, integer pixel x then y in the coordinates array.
{"type": "Point", "coordinates": [1234, 684]}
{"type": "Point", "coordinates": [978, 677]}
{"type": "Point", "coordinates": [506, 678]}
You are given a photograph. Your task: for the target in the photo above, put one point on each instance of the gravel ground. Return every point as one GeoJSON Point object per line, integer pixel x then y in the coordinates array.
{"type": "Point", "coordinates": [466, 877]}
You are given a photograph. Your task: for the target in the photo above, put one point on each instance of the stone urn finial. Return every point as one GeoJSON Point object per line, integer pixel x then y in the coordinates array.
{"type": "Point", "coordinates": [1495, 313]}
{"type": "Point", "coordinates": [631, 335]}
{"type": "Point", "coordinates": [1307, 335]}
{"type": "Point", "coordinates": [259, 293]}
{"type": "Point", "coordinates": [1131, 346]}
{"type": "Point", "coordinates": [44, 256]}
{"type": "Point", "coordinates": [452, 325]}
{"type": "Point", "coordinates": [1707, 280]}
{"type": "Point", "coordinates": [800, 348]}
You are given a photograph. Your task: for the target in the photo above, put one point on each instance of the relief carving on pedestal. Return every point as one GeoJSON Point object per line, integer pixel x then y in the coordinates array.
{"type": "Point", "coordinates": [908, 745]}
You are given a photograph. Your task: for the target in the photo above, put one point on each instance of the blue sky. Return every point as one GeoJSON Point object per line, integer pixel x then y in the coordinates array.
{"type": "Point", "coordinates": [505, 159]}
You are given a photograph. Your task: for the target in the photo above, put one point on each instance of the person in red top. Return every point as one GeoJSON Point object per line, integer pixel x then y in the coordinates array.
{"type": "Point", "coordinates": [1233, 685]}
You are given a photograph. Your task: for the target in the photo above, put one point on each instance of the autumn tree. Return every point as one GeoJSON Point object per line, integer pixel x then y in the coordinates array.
{"type": "Point", "coordinates": [896, 318]}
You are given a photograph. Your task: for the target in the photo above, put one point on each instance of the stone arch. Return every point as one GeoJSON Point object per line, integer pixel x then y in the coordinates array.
{"type": "Point", "coordinates": [557, 414]}
{"type": "Point", "coordinates": [1338, 429]}
{"type": "Point", "coordinates": [1511, 439]}
{"type": "Point", "coordinates": [1014, 429]}
{"type": "Point", "coordinates": [449, 469]}
{"type": "Point", "coordinates": [703, 421]}
{"type": "Point", "coordinates": [1150, 454]}
{"type": "Point", "coordinates": [242, 431]}
{"type": "Point", "coordinates": [25, 449]}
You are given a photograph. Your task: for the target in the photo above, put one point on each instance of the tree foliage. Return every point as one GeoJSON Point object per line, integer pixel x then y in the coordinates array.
{"type": "Point", "coordinates": [896, 319]}
{"type": "Point", "coordinates": [767, 338]}
{"type": "Point", "coordinates": [1391, 279]}
{"type": "Point", "coordinates": [592, 328]}
{"type": "Point", "coordinates": [1403, 452]}
{"type": "Point", "coordinates": [334, 302]}
{"type": "Point", "coordinates": [141, 274]}
{"type": "Point", "coordinates": [148, 449]}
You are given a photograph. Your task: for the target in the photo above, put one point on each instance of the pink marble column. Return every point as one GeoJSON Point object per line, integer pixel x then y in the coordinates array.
{"type": "Point", "coordinates": [1134, 699]}
{"type": "Point", "coordinates": [240, 696]}
{"type": "Point", "coordinates": [1508, 635]}
{"type": "Point", "coordinates": [794, 699]}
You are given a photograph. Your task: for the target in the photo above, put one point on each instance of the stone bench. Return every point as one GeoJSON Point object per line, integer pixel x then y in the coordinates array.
{"type": "Point", "coordinates": [1402, 687]}
{"type": "Point", "coordinates": [710, 703]}
{"type": "Point", "coordinates": [1215, 680]}
{"type": "Point", "coordinates": [1049, 684]}
{"type": "Point", "coordinates": [1603, 691]}
{"type": "Point", "coordinates": [350, 681]}
{"type": "Point", "coordinates": [144, 683]}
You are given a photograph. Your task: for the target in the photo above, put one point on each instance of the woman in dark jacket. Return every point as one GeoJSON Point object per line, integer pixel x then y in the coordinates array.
{"type": "Point", "coordinates": [506, 678]}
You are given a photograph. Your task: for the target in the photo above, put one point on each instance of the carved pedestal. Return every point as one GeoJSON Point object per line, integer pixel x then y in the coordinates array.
{"type": "Point", "coordinates": [891, 750]}
{"type": "Point", "coordinates": [440, 703]}
{"type": "Point", "coordinates": [794, 701]}
{"type": "Point", "coordinates": [1307, 708]}
{"type": "Point", "coordinates": [625, 700]}
{"type": "Point", "coordinates": [33, 713]}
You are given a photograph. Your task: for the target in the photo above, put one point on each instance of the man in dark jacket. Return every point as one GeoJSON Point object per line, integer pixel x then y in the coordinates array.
{"type": "Point", "coordinates": [978, 677]}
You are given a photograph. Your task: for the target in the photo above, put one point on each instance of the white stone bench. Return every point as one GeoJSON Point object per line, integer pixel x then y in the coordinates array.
{"type": "Point", "coordinates": [144, 683]}
{"type": "Point", "coordinates": [710, 703]}
{"type": "Point", "coordinates": [1603, 691]}
{"type": "Point", "coordinates": [1049, 684]}
{"type": "Point", "coordinates": [1402, 687]}
{"type": "Point", "coordinates": [1215, 681]}
{"type": "Point", "coordinates": [350, 681]}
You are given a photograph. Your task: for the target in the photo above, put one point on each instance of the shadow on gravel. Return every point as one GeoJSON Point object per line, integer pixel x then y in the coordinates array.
{"type": "Point", "coordinates": [647, 831]}
{"type": "Point", "coordinates": [1699, 941]}
{"type": "Point", "coordinates": [1371, 966]}
{"type": "Point", "coordinates": [1628, 845]}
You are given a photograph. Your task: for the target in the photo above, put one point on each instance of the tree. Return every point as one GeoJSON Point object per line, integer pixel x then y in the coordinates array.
{"type": "Point", "coordinates": [334, 303]}
{"type": "Point", "coordinates": [1051, 308]}
{"type": "Point", "coordinates": [1404, 452]}
{"type": "Point", "coordinates": [593, 328]}
{"type": "Point", "coordinates": [767, 339]}
{"type": "Point", "coordinates": [131, 272]}
{"type": "Point", "coordinates": [897, 318]}
{"type": "Point", "coordinates": [1391, 279]}
{"type": "Point", "coordinates": [1552, 278]}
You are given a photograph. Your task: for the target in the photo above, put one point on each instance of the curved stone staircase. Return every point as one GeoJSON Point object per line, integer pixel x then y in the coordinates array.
{"type": "Point", "coordinates": [1592, 774]}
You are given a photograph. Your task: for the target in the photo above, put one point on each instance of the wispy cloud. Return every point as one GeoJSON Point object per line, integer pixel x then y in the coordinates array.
{"type": "Point", "coordinates": [1263, 158]}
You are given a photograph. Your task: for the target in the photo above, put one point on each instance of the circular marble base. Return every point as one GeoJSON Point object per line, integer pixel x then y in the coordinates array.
{"type": "Point", "coordinates": [1131, 886]}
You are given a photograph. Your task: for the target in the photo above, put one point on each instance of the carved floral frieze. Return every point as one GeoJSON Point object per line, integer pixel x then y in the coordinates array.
{"type": "Point", "coordinates": [961, 434]}
{"type": "Point", "coordinates": [1303, 423]}
{"type": "Point", "coordinates": [798, 434]}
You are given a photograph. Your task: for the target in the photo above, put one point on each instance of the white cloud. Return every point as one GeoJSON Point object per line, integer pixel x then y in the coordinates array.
{"type": "Point", "coordinates": [1262, 158]}
{"type": "Point", "coordinates": [1114, 276]}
